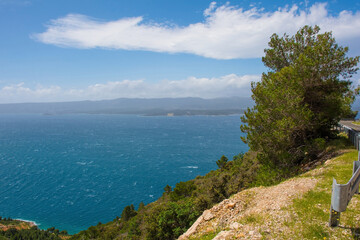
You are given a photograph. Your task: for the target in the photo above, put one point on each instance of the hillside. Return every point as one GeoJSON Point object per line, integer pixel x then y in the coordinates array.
{"type": "Point", "coordinates": [6, 224]}
{"type": "Point", "coordinates": [13, 229]}
{"type": "Point", "coordinates": [142, 106]}
{"type": "Point", "coordinates": [298, 207]}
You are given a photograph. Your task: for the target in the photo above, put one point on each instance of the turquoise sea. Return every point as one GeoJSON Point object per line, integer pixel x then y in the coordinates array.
{"type": "Point", "coordinates": [73, 171]}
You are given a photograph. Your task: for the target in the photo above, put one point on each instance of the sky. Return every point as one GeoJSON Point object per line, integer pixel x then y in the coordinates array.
{"type": "Point", "coordinates": [66, 50]}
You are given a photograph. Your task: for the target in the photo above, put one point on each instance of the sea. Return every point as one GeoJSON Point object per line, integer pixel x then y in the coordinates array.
{"type": "Point", "coordinates": [76, 170]}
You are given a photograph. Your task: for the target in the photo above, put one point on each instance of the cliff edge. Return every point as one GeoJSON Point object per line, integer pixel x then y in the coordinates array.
{"type": "Point", "coordinates": [294, 209]}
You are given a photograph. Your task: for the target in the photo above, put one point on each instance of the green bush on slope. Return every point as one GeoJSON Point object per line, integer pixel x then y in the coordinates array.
{"type": "Point", "coordinates": [34, 233]}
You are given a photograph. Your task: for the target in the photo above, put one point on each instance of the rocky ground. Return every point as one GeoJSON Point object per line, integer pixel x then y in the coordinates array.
{"type": "Point", "coordinates": [270, 212]}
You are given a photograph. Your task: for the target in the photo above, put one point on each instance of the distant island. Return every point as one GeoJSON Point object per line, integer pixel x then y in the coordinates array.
{"type": "Point", "coordinates": [140, 106]}
{"type": "Point", "coordinates": [196, 112]}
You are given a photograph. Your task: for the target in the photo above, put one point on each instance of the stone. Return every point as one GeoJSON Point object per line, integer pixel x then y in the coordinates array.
{"type": "Point", "coordinates": [230, 205]}
{"type": "Point", "coordinates": [235, 225]}
{"type": "Point", "coordinates": [223, 235]}
{"type": "Point", "coordinates": [241, 235]}
{"type": "Point", "coordinates": [207, 215]}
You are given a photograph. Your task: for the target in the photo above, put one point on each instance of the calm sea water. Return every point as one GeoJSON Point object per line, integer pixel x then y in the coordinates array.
{"type": "Point", "coordinates": [72, 171]}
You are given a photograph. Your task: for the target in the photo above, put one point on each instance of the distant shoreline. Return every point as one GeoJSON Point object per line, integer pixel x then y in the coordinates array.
{"type": "Point", "coordinates": [129, 114]}
{"type": "Point", "coordinates": [32, 223]}
{"type": "Point", "coordinates": [19, 224]}
{"type": "Point", "coordinates": [137, 106]}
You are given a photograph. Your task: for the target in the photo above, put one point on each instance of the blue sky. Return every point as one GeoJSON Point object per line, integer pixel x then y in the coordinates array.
{"type": "Point", "coordinates": [64, 50]}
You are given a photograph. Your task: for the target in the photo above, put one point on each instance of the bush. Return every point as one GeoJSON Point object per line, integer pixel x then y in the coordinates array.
{"type": "Point", "coordinates": [182, 190]}
{"type": "Point", "coordinates": [128, 213]}
{"type": "Point", "coordinates": [221, 163]}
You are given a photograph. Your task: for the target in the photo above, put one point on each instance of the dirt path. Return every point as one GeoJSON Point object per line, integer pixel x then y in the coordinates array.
{"type": "Point", "coordinates": [257, 205]}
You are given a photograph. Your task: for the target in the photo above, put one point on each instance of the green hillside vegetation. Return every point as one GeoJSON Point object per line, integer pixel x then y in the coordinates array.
{"type": "Point", "coordinates": [11, 229]}
{"type": "Point", "coordinates": [297, 103]}
{"type": "Point", "coordinates": [28, 234]}
{"type": "Point", "coordinates": [9, 222]}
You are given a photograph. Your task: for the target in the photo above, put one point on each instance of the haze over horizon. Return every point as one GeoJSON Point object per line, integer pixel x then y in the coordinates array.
{"type": "Point", "coordinates": [72, 51]}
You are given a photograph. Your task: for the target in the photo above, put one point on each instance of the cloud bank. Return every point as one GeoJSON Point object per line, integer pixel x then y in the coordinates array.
{"type": "Point", "coordinates": [225, 86]}
{"type": "Point", "coordinates": [227, 32]}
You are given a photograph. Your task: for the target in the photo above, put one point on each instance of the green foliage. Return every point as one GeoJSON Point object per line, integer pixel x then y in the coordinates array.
{"type": "Point", "coordinates": [128, 213]}
{"type": "Point", "coordinates": [207, 236]}
{"type": "Point", "coordinates": [269, 174]}
{"type": "Point", "coordinates": [141, 206]}
{"type": "Point", "coordinates": [134, 228]}
{"type": "Point", "coordinates": [9, 221]}
{"type": "Point", "coordinates": [182, 190]}
{"type": "Point", "coordinates": [173, 220]}
{"type": "Point", "coordinates": [217, 191]}
{"type": "Point", "coordinates": [221, 163]}
{"type": "Point", "coordinates": [275, 125]}
{"type": "Point", "coordinates": [300, 99]}
{"type": "Point", "coordinates": [237, 159]}
{"type": "Point", "coordinates": [167, 189]}
{"type": "Point", "coordinates": [33, 233]}
{"type": "Point", "coordinates": [51, 229]}
{"type": "Point", "coordinates": [315, 147]}
{"type": "Point", "coordinates": [29, 234]}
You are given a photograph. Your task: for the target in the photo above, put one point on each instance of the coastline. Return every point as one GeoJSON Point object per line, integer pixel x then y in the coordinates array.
{"type": "Point", "coordinates": [31, 223]}
{"type": "Point", "coordinates": [18, 224]}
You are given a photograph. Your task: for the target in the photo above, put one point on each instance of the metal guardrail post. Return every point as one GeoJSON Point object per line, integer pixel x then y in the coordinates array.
{"type": "Point", "coordinates": [342, 193]}
{"type": "Point", "coordinates": [356, 167]}
{"type": "Point", "coordinates": [352, 135]}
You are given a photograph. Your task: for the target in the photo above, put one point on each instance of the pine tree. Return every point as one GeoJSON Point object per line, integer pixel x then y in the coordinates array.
{"type": "Point", "coordinates": [301, 98]}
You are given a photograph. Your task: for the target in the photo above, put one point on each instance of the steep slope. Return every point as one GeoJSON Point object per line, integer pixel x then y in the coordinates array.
{"type": "Point", "coordinates": [295, 209]}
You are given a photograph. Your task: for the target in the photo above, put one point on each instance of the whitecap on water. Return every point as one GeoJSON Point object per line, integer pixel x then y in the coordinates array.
{"type": "Point", "coordinates": [193, 167]}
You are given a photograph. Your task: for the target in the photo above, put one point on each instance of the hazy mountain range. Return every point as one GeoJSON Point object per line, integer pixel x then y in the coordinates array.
{"type": "Point", "coordinates": [151, 107]}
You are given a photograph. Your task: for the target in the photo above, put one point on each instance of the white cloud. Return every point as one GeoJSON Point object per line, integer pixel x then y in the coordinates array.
{"type": "Point", "coordinates": [20, 93]}
{"type": "Point", "coordinates": [225, 86]}
{"type": "Point", "coordinates": [227, 32]}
